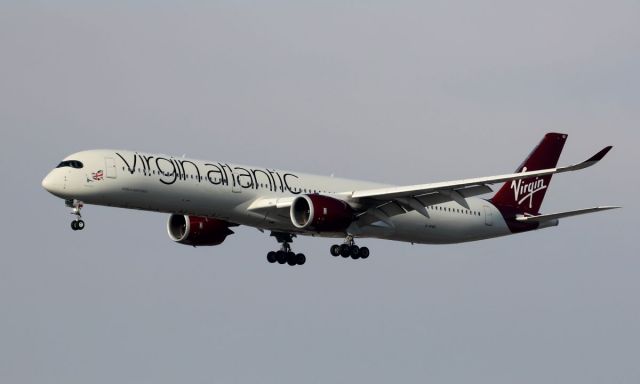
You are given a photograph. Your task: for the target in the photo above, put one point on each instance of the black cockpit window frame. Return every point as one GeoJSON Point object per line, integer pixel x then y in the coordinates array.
{"type": "Point", "coordinates": [71, 163]}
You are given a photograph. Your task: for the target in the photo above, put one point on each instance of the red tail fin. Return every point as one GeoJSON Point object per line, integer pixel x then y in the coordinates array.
{"type": "Point", "coordinates": [526, 195]}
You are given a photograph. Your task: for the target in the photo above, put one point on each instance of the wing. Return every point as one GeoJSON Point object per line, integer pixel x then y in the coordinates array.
{"type": "Point", "coordinates": [381, 204]}
{"type": "Point", "coordinates": [376, 205]}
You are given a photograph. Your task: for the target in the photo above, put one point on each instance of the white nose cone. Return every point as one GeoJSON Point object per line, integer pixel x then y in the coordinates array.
{"type": "Point", "coordinates": [46, 182]}
{"type": "Point", "coordinates": [52, 185]}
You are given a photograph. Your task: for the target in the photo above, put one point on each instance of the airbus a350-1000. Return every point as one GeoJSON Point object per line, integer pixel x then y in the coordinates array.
{"type": "Point", "coordinates": [207, 198]}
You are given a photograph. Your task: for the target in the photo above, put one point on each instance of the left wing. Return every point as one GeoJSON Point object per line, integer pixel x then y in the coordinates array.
{"type": "Point", "coordinates": [413, 190]}
{"type": "Point", "coordinates": [386, 202]}
{"type": "Point", "coordinates": [381, 204]}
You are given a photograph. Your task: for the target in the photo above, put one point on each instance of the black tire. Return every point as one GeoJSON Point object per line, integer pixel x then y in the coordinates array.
{"type": "Point", "coordinates": [335, 250]}
{"type": "Point", "coordinates": [292, 259]}
{"type": "Point", "coordinates": [353, 250]}
{"type": "Point", "coordinates": [80, 225]}
{"type": "Point", "coordinates": [344, 250]}
{"type": "Point", "coordinates": [300, 259]}
{"type": "Point", "coordinates": [363, 253]}
{"type": "Point", "coordinates": [281, 257]}
{"type": "Point", "coordinates": [271, 257]}
{"type": "Point", "coordinates": [74, 225]}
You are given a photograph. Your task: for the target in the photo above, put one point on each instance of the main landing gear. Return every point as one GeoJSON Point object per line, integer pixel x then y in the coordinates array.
{"type": "Point", "coordinates": [285, 254]}
{"type": "Point", "coordinates": [349, 248]}
{"type": "Point", "coordinates": [78, 223]}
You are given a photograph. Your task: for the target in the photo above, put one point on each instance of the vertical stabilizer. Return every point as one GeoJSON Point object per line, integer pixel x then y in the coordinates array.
{"type": "Point", "coordinates": [526, 195]}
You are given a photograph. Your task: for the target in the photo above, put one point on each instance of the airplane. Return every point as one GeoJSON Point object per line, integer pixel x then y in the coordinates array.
{"type": "Point", "coordinates": [205, 199]}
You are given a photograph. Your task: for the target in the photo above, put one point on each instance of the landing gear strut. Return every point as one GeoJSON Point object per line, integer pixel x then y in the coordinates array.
{"type": "Point", "coordinates": [285, 254]}
{"type": "Point", "coordinates": [349, 248]}
{"type": "Point", "coordinates": [78, 223]}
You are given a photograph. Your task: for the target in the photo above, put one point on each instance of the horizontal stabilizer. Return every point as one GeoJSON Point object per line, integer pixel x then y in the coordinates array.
{"type": "Point", "coordinates": [560, 215]}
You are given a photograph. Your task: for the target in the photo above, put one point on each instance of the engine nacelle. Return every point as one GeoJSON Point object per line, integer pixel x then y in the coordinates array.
{"type": "Point", "coordinates": [197, 231]}
{"type": "Point", "coordinates": [321, 213]}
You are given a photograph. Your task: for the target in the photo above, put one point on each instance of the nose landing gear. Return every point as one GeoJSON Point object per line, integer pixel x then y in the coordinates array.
{"type": "Point", "coordinates": [78, 223]}
{"type": "Point", "coordinates": [349, 248]}
{"type": "Point", "coordinates": [285, 254]}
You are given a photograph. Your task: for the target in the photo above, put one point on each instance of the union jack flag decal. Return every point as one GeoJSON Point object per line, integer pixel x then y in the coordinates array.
{"type": "Point", "coordinates": [97, 176]}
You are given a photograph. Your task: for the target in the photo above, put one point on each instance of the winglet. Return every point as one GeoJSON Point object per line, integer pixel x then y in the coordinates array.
{"type": "Point", "coordinates": [600, 155]}
{"type": "Point", "coordinates": [590, 161]}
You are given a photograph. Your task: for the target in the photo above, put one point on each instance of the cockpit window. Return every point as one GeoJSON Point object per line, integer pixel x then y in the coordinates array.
{"type": "Point", "coordinates": [70, 163]}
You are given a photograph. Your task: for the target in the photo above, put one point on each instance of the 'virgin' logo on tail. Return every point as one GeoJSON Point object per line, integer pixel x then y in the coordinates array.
{"type": "Point", "coordinates": [523, 191]}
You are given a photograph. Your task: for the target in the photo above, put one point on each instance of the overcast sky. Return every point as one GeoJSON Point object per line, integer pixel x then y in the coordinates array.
{"type": "Point", "coordinates": [398, 92]}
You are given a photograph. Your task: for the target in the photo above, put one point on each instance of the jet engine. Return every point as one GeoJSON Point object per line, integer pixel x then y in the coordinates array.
{"type": "Point", "coordinates": [321, 213]}
{"type": "Point", "coordinates": [197, 231]}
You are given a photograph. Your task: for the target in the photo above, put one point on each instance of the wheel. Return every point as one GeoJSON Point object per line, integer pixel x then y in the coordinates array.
{"type": "Point", "coordinates": [300, 259]}
{"type": "Point", "coordinates": [344, 250]}
{"type": "Point", "coordinates": [353, 250]}
{"type": "Point", "coordinates": [335, 250]}
{"type": "Point", "coordinates": [271, 257]}
{"type": "Point", "coordinates": [74, 225]}
{"type": "Point", "coordinates": [281, 257]}
{"type": "Point", "coordinates": [80, 225]}
{"type": "Point", "coordinates": [291, 258]}
{"type": "Point", "coordinates": [363, 253]}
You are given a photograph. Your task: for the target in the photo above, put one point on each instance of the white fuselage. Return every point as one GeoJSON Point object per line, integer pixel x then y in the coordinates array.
{"type": "Point", "coordinates": [219, 190]}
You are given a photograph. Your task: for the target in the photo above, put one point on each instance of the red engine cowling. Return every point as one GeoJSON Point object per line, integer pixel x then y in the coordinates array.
{"type": "Point", "coordinates": [197, 231]}
{"type": "Point", "coordinates": [321, 213]}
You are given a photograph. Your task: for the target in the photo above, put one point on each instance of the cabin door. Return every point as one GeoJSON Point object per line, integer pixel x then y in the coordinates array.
{"type": "Point", "coordinates": [110, 168]}
{"type": "Point", "coordinates": [488, 216]}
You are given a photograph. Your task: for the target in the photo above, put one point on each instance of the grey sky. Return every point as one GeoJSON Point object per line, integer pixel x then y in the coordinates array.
{"type": "Point", "coordinates": [399, 92]}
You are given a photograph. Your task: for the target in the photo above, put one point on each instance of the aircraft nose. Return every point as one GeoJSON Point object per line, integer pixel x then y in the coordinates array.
{"type": "Point", "coordinates": [46, 182]}
{"type": "Point", "coordinates": [51, 184]}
